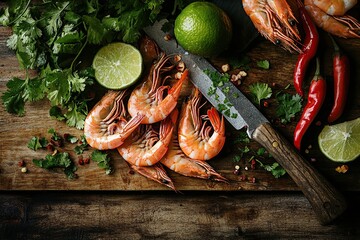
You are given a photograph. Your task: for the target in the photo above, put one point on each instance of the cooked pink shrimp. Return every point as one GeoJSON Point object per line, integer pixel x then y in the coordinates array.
{"type": "Point", "coordinates": [194, 136]}
{"type": "Point", "coordinates": [106, 126]}
{"type": "Point", "coordinates": [177, 161]}
{"type": "Point", "coordinates": [274, 20]}
{"type": "Point", "coordinates": [329, 15]}
{"type": "Point", "coordinates": [156, 173]}
{"type": "Point", "coordinates": [333, 7]}
{"type": "Point", "coordinates": [148, 97]}
{"type": "Point", "coordinates": [146, 147]}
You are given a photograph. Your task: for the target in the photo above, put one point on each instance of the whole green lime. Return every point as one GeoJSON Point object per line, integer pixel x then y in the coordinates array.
{"type": "Point", "coordinates": [204, 29]}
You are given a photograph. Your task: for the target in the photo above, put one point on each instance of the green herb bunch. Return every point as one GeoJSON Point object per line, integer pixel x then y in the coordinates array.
{"type": "Point", "coordinates": [56, 37]}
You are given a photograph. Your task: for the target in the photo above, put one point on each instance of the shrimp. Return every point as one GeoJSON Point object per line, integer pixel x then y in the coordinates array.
{"type": "Point", "coordinates": [177, 161]}
{"type": "Point", "coordinates": [106, 126]}
{"type": "Point", "coordinates": [329, 15]}
{"type": "Point", "coordinates": [156, 173]}
{"type": "Point", "coordinates": [148, 97]}
{"type": "Point", "coordinates": [333, 7]}
{"type": "Point", "coordinates": [274, 19]}
{"type": "Point", "coordinates": [194, 137]}
{"type": "Point", "coordinates": [146, 147]}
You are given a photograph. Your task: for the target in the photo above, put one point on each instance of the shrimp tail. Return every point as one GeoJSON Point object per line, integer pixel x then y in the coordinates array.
{"type": "Point", "coordinates": [213, 175]}
{"type": "Point", "coordinates": [175, 90]}
{"type": "Point", "coordinates": [156, 173]}
{"type": "Point", "coordinates": [214, 118]}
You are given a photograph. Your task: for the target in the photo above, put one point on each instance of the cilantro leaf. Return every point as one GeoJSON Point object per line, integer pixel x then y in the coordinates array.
{"type": "Point", "coordinates": [59, 160]}
{"type": "Point", "coordinates": [83, 145]}
{"type": "Point", "coordinates": [58, 87]}
{"type": "Point", "coordinates": [260, 91]}
{"type": "Point", "coordinates": [103, 160]}
{"type": "Point", "coordinates": [289, 106]}
{"type": "Point", "coordinates": [76, 114]}
{"type": "Point", "coordinates": [275, 169]}
{"type": "Point", "coordinates": [19, 91]}
{"type": "Point", "coordinates": [96, 31]}
{"type": "Point", "coordinates": [36, 143]}
{"type": "Point", "coordinates": [265, 64]}
{"type": "Point", "coordinates": [13, 99]}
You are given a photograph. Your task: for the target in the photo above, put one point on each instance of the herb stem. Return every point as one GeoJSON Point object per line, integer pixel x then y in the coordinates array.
{"type": "Point", "coordinates": [20, 15]}
{"type": "Point", "coordinates": [78, 54]}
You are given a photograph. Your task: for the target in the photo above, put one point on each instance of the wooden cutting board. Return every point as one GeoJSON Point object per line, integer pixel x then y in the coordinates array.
{"type": "Point", "coordinates": [15, 132]}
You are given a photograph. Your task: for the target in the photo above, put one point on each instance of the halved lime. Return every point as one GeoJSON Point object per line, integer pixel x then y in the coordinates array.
{"type": "Point", "coordinates": [341, 142]}
{"type": "Point", "coordinates": [117, 65]}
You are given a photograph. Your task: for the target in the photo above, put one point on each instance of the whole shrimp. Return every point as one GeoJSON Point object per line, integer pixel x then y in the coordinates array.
{"type": "Point", "coordinates": [148, 97]}
{"type": "Point", "coordinates": [194, 135]}
{"type": "Point", "coordinates": [274, 19]}
{"type": "Point", "coordinates": [106, 126]}
{"type": "Point", "coordinates": [330, 16]}
{"type": "Point", "coordinates": [146, 147]}
{"type": "Point", "coordinates": [156, 173]}
{"type": "Point", "coordinates": [177, 161]}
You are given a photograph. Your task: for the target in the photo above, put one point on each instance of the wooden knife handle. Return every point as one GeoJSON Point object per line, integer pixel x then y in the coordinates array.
{"type": "Point", "coordinates": [327, 202]}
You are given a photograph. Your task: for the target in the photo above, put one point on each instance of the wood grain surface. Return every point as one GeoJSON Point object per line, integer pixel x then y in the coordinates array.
{"type": "Point", "coordinates": [167, 215]}
{"type": "Point", "coordinates": [15, 132]}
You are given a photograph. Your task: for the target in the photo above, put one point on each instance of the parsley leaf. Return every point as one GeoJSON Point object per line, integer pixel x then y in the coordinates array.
{"type": "Point", "coordinates": [103, 160]}
{"type": "Point", "coordinates": [289, 106]}
{"type": "Point", "coordinates": [260, 91]}
{"type": "Point", "coordinates": [59, 160]}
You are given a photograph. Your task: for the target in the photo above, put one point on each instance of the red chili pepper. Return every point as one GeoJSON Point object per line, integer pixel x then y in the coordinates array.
{"type": "Point", "coordinates": [309, 48]}
{"type": "Point", "coordinates": [341, 73]}
{"type": "Point", "coordinates": [316, 97]}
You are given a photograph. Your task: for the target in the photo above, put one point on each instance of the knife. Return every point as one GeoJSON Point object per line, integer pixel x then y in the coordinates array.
{"type": "Point", "coordinates": [327, 202]}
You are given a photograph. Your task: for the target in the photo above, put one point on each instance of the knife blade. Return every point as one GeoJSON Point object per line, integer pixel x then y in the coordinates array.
{"type": "Point", "coordinates": [327, 202]}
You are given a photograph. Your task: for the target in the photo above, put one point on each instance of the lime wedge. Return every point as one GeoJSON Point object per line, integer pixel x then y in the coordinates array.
{"type": "Point", "coordinates": [341, 142]}
{"type": "Point", "coordinates": [117, 65]}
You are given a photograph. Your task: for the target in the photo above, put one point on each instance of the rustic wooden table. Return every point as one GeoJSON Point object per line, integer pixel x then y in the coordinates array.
{"type": "Point", "coordinates": [44, 205]}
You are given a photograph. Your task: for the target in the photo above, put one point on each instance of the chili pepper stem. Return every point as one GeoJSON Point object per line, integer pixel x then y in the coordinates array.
{"type": "Point", "coordinates": [336, 47]}
{"type": "Point", "coordinates": [317, 71]}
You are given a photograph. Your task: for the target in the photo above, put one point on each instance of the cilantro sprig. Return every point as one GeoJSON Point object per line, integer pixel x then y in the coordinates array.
{"type": "Point", "coordinates": [57, 38]}
{"type": "Point", "coordinates": [103, 160]}
{"type": "Point", "coordinates": [260, 91]}
{"type": "Point", "coordinates": [289, 106]}
{"type": "Point", "coordinates": [58, 160]}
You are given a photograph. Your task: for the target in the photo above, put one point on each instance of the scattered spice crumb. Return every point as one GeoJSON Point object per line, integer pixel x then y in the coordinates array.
{"type": "Point", "coordinates": [81, 160]}
{"type": "Point", "coordinates": [23, 169]}
{"type": "Point", "coordinates": [167, 37]}
{"type": "Point", "coordinates": [50, 147]}
{"type": "Point", "coordinates": [236, 78]}
{"type": "Point", "coordinates": [21, 163]}
{"type": "Point", "coordinates": [87, 160]}
{"type": "Point", "coordinates": [225, 68]}
{"type": "Point", "coordinates": [313, 159]}
{"type": "Point", "coordinates": [307, 151]}
{"type": "Point", "coordinates": [342, 169]}
{"type": "Point", "coordinates": [237, 167]}
{"type": "Point", "coordinates": [236, 172]}
{"type": "Point", "coordinates": [266, 104]}
{"type": "Point", "coordinates": [246, 168]}
{"type": "Point", "coordinates": [253, 180]}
